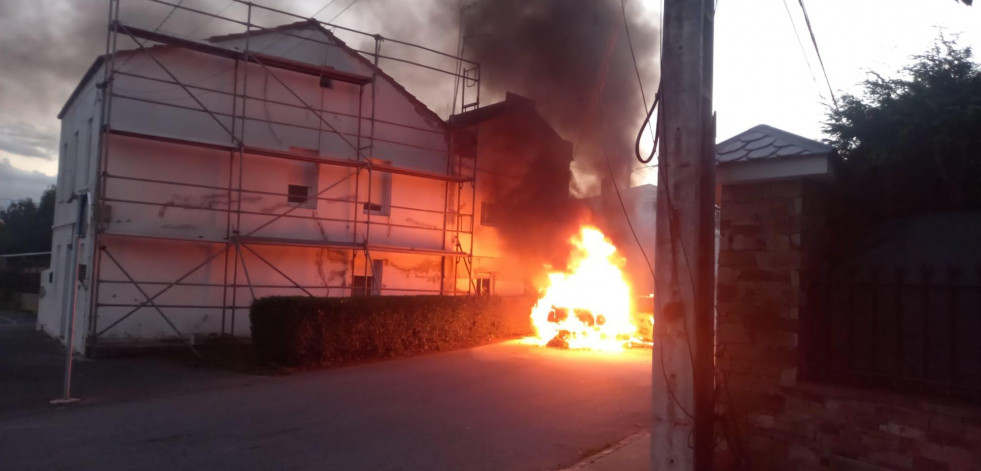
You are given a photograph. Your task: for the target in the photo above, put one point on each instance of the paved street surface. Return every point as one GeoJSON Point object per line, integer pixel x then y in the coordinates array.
{"type": "Point", "coordinates": [507, 406]}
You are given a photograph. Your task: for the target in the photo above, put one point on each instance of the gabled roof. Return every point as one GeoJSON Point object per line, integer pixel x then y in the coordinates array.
{"type": "Point", "coordinates": [766, 142]}
{"type": "Point", "coordinates": [316, 25]}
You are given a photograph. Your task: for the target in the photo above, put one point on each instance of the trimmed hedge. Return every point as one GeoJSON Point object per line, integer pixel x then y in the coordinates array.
{"type": "Point", "coordinates": [296, 331]}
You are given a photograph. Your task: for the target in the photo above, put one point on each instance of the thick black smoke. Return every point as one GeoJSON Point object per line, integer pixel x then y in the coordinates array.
{"type": "Point", "coordinates": [573, 58]}
{"type": "Point", "coordinates": [560, 53]}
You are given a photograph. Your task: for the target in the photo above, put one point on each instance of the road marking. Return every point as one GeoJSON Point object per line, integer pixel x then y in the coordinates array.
{"type": "Point", "coordinates": [8, 320]}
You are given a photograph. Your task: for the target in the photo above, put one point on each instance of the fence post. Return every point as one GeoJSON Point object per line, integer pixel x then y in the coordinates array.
{"type": "Point", "coordinates": [953, 275]}
{"type": "Point", "coordinates": [851, 326]}
{"type": "Point", "coordinates": [926, 277]}
{"type": "Point", "coordinates": [874, 312]}
{"type": "Point", "coordinates": [900, 327]}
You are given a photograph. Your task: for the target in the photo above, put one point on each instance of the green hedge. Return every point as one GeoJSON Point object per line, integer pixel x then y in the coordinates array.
{"type": "Point", "coordinates": [298, 331]}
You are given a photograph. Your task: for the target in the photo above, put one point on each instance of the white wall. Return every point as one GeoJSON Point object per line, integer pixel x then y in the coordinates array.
{"type": "Point", "coordinates": [157, 231]}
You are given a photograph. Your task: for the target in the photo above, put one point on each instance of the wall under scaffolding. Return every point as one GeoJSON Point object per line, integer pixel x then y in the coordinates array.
{"type": "Point", "coordinates": [268, 161]}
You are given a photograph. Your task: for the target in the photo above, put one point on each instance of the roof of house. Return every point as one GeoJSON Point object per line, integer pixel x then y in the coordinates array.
{"type": "Point", "coordinates": [78, 88]}
{"type": "Point", "coordinates": [512, 103]}
{"type": "Point", "coordinates": [766, 142]}
{"type": "Point", "coordinates": [344, 47]}
{"type": "Point", "coordinates": [291, 26]}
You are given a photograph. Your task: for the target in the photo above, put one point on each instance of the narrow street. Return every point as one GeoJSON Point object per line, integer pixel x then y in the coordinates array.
{"type": "Point", "coordinates": [505, 406]}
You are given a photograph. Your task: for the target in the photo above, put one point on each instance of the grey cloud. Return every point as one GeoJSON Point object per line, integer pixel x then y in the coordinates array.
{"type": "Point", "coordinates": [28, 140]}
{"type": "Point", "coordinates": [17, 184]}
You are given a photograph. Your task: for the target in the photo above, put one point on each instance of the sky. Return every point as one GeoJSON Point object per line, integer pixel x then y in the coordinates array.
{"type": "Point", "coordinates": [765, 71]}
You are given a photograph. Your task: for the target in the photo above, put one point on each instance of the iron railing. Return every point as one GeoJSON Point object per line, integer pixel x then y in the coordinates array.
{"type": "Point", "coordinates": [906, 329]}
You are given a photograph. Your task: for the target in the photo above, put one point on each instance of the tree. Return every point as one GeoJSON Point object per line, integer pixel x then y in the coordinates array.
{"type": "Point", "coordinates": [25, 226]}
{"type": "Point", "coordinates": [912, 144]}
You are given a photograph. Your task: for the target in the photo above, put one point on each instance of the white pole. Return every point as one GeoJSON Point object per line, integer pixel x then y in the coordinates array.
{"type": "Point", "coordinates": [78, 233]}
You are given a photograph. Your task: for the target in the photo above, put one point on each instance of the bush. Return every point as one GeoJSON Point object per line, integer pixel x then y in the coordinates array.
{"type": "Point", "coordinates": [302, 331]}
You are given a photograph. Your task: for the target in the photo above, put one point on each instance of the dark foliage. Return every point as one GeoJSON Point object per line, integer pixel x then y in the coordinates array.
{"type": "Point", "coordinates": [911, 145]}
{"type": "Point", "coordinates": [25, 226]}
{"type": "Point", "coordinates": [306, 332]}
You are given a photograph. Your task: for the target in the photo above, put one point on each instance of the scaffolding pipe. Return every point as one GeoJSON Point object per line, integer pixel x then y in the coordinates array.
{"type": "Point", "coordinates": [136, 285]}
{"type": "Point", "coordinates": [237, 136]}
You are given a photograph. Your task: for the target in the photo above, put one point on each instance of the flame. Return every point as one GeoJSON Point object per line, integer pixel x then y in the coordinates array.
{"type": "Point", "coordinates": [589, 305]}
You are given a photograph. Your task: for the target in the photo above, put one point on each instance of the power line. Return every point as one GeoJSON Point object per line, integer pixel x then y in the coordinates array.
{"type": "Point", "coordinates": [807, 20]}
{"type": "Point", "coordinates": [331, 2]}
{"type": "Point", "coordinates": [342, 11]}
{"type": "Point", "coordinates": [172, 10]}
{"type": "Point", "coordinates": [800, 43]}
{"type": "Point", "coordinates": [210, 19]}
{"type": "Point", "coordinates": [633, 56]}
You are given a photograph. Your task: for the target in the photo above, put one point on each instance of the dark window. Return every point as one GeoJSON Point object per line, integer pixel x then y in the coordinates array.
{"type": "Point", "coordinates": [483, 286]}
{"type": "Point", "coordinates": [362, 285]}
{"type": "Point", "coordinates": [298, 194]}
{"type": "Point", "coordinates": [488, 214]}
{"type": "Point", "coordinates": [326, 82]}
{"type": "Point", "coordinates": [373, 208]}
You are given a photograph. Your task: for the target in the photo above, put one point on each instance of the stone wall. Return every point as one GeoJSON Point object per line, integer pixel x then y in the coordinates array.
{"type": "Point", "coordinates": [773, 239]}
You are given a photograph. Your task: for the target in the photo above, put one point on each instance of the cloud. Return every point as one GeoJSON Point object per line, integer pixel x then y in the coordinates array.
{"type": "Point", "coordinates": [18, 184]}
{"type": "Point", "coordinates": [28, 140]}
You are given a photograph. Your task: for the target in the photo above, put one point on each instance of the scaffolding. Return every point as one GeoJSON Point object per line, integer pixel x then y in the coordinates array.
{"type": "Point", "coordinates": [457, 224]}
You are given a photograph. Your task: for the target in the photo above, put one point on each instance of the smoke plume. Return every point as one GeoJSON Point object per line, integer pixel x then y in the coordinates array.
{"type": "Point", "coordinates": [573, 58]}
{"type": "Point", "coordinates": [557, 52]}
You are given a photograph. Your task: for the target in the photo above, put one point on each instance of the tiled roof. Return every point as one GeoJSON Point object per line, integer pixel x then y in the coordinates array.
{"type": "Point", "coordinates": [766, 142]}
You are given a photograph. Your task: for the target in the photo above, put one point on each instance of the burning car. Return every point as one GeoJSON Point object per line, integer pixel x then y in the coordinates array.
{"type": "Point", "coordinates": [588, 306]}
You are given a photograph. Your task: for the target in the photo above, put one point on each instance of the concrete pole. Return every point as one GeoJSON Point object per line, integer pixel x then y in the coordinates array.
{"type": "Point", "coordinates": [683, 363]}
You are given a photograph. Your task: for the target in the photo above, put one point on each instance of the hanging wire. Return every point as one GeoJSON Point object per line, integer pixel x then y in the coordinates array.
{"type": "Point", "coordinates": [647, 124]}
{"type": "Point", "coordinates": [807, 20]}
{"type": "Point", "coordinates": [800, 43]}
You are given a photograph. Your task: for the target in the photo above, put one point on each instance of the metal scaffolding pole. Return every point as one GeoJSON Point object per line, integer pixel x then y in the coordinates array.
{"type": "Point", "coordinates": [244, 62]}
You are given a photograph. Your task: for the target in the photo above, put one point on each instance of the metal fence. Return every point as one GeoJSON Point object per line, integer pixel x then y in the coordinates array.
{"type": "Point", "coordinates": [907, 329]}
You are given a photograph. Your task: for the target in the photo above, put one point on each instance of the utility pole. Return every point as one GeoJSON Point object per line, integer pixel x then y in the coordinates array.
{"type": "Point", "coordinates": [682, 436]}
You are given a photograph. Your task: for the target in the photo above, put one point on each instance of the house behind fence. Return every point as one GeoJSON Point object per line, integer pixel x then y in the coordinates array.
{"type": "Point", "coordinates": [868, 363]}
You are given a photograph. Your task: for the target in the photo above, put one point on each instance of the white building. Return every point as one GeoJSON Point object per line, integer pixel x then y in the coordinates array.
{"type": "Point", "coordinates": [223, 174]}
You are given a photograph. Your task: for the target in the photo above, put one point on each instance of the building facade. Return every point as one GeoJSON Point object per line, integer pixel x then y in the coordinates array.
{"type": "Point", "coordinates": [274, 162]}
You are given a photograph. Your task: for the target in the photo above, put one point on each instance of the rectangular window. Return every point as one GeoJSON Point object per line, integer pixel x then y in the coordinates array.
{"type": "Point", "coordinates": [380, 199]}
{"type": "Point", "coordinates": [368, 285]}
{"type": "Point", "coordinates": [483, 285]}
{"type": "Point", "coordinates": [363, 286]}
{"type": "Point", "coordinates": [489, 214]}
{"type": "Point", "coordinates": [299, 195]}
{"type": "Point", "coordinates": [63, 190]}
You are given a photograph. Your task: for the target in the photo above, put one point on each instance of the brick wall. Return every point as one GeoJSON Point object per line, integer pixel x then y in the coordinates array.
{"type": "Point", "coordinates": [773, 240]}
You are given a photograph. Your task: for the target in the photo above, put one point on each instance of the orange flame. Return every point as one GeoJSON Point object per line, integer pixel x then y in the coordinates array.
{"type": "Point", "coordinates": [589, 305]}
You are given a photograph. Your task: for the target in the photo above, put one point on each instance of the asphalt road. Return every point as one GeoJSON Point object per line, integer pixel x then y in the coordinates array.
{"type": "Point", "coordinates": [507, 406]}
